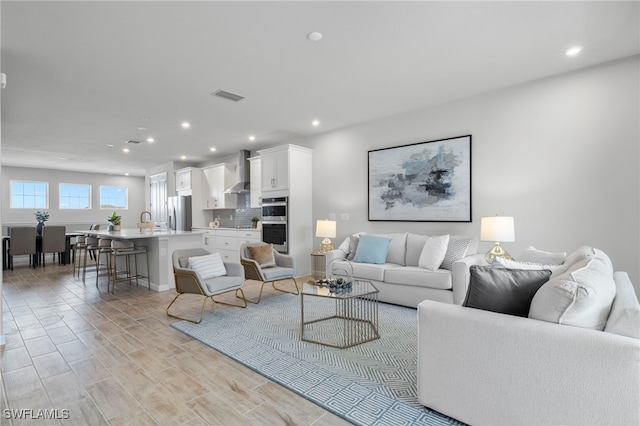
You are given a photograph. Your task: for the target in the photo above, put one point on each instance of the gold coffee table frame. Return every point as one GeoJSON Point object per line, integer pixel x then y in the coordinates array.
{"type": "Point", "coordinates": [355, 317]}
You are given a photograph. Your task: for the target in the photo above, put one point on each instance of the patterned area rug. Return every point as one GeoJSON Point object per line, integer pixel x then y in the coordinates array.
{"type": "Point", "coordinates": [369, 384]}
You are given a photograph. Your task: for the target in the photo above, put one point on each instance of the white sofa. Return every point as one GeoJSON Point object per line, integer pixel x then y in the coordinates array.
{"type": "Point", "coordinates": [400, 280]}
{"type": "Point", "coordinates": [487, 368]}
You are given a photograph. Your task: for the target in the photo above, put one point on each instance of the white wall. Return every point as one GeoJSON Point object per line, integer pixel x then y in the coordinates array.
{"type": "Point", "coordinates": [561, 155]}
{"type": "Point", "coordinates": [130, 216]}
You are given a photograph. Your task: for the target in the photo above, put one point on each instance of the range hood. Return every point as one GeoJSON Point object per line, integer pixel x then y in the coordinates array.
{"type": "Point", "coordinates": [243, 172]}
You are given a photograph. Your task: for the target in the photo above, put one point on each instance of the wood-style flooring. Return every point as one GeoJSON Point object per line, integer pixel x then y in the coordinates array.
{"type": "Point", "coordinates": [98, 359]}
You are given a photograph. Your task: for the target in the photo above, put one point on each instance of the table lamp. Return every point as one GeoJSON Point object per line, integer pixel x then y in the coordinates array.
{"type": "Point", "coordinates": [326, 229]}
{"type": "Point", "coordinates": [497, 229]}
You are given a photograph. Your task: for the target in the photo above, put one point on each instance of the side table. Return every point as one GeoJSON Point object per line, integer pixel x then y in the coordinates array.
{"type": "Point", "coordinates": [318, 265]}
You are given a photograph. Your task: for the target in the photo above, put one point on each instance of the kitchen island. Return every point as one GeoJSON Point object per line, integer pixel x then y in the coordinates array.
{"type": "Point", "coordinates": [160, 244]}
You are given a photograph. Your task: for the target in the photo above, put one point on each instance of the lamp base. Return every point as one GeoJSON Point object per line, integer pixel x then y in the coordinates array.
{"type": "Point", "coordinates": [326, 245]}
{"type": "Point", "coordinates": [496, 251]}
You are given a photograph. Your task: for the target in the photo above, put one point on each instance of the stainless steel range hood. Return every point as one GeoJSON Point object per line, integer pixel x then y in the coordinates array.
{"type": "Point", "coordinates": [243, 173]}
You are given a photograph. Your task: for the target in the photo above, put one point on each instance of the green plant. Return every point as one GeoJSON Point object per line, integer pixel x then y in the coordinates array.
{"type": "Point", "coordinates": [114, 218]}
{"type": "Point", "coordinates": [42, 216]}
{"type": "Point", "coordinates": [255, 219]}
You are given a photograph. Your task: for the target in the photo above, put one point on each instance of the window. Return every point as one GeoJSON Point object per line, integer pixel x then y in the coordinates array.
{"type": "Point", "coordinates": [74, 196]}
{"type": "Point", "coordinates": [113, 197]}
{"type": "Point", "coordinates": [29, 195]}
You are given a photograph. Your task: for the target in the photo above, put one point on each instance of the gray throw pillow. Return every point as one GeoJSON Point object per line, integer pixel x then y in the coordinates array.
{"type": "Point", "coordinates": [506, 291]}
{"type": "Point", "coordinates": [353, 246]}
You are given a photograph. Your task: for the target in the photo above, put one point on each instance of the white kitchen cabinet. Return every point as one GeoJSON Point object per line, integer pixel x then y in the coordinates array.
{"type": "Point", "coordinates": [227, 245]}
{"type": "Point", "coordinates": [275, 169]}
{"type": "Point", "coordinates": [209, 241]}
{"type": "Point", "coordinates": [255, 193]}
{"type": "Point", "coordinates": [247, 236]}
{"type": "Point", "coordinates": [185, 179]}
{"type": "Point", "coordinates": [215, 180]}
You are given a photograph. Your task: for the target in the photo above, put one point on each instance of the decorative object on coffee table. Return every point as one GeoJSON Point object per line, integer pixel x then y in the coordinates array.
{"type": "Point", "coordinates": [498, 229]}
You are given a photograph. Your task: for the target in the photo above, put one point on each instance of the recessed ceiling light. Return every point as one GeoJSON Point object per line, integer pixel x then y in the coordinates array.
{"type": "Point", "coordinates": [315, 123]}
{"type": "Point", "coordinates": [126, 174]}
{"type": "Point", "coordinates": [212, 149]}
{"type": "Point", "coordinates": [125, 149]}
{"type": "Point", "coordinates": [252, 138]}
{"type": "Point", "coordinates": [572, 51]}
{"type": "Point", "coordinates": [183, 157]}
{"type": "Point", "coordinates": [62, 158]}
{"type": "Point", "coordinates": [186, 124]}
{"type": "Point", "coordinates": [314, 36]}
{"type": "Point", "coordinates": [142, 128]}
{"type": "Point", "coordinates": [110, 145]}
{"type": "Point", "coordinates": [151, 140]}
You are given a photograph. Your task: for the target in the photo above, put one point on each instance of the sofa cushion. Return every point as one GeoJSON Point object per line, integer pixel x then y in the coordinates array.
{"type": "Point", "coordinates": [582, 296]}
{"type": "Point", "coordinates": [433, 252]}
{"type": "Point", "coordinates": [415, 244]}
{"type": "Point", "coordinates": [372, 249]}
{"type": "Point", "coordinates": [397, 247]}
{"type": "Point", "coordinates": [624, 318]}
{"type": "Point", "coordinates": [354, 240]}
{"type": "Point", "coordinates": [531, 254]}
{"type": "Point", "coordinates": [208, 266]}
{"type": "Point", "coordinates": [263, 254]}
{"type": "Point", "coordinates": [362, 271]}
{"type": "Point", "coordinates": [506, 291]}
{"type": "Point", "coordinates": [456, 250]}
{"type": "Point", "coordinates": [501, 262]}
{"type": "Point", "coordinates": [419, 277]}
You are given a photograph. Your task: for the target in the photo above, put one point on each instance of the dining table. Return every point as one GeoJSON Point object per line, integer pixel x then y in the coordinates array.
{"type": "Point", "coordinates": [65, 257]}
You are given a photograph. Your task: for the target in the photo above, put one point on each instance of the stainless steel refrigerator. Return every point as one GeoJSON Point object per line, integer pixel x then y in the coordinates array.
{"type": "Point", "coordinates": [180, 213]}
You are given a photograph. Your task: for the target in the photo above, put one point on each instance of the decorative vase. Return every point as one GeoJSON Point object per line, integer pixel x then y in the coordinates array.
{"type": "Point", "coordinates": [39, 228]}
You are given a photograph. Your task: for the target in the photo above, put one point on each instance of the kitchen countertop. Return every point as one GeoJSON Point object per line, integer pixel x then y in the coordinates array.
{"type": "Point", "coordinates": [208, 228]}
{"type": "Point", "coordinates": [135, 233]}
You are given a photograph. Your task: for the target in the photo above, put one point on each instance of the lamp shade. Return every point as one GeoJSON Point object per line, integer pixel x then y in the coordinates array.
{"type": "Point", "coordinates": [497, 228]}
{"type": "Point", "coordinates": [326, 228]}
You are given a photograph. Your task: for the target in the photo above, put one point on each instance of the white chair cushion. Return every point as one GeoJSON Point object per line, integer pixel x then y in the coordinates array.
{"type": "Point", "coordinates": [433, 252]}
{"type": "Point", "coordinates": [531, 254]}
{"type": "Point", "coordinates": [501, 262]}
{"type": "Point", "coordinates": [208, 266]}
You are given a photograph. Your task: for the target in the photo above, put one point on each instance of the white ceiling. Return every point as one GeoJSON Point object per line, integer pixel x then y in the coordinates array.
{"type": "Point", "coordinates": [82, 75]}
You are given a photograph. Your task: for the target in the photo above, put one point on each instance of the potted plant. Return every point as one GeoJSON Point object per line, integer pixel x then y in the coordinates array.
{"type": "Point", "coordinates": [254, 221]}
{"type": "Point", "coordinates": [115, 221]}
{"type": "Point", "coordinates": [41, 218]}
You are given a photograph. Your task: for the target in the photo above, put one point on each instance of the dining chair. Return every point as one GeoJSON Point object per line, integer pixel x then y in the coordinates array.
{"type": "Point", "coordinates": [22, 240]}
{"type": "Point", "coordinates": [262, 262]}
{"type": "Point", "coordinates": [54, 240]}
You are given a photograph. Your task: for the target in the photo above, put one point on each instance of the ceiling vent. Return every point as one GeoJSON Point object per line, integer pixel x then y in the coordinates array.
{"type": "Point", "coordinates": [228, 95]}
{"type": "Point", "coordinates": [133, 142]}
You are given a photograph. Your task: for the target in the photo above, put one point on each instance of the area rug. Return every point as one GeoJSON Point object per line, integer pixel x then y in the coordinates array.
{"type": "Point", "coordinates": [369, 384]}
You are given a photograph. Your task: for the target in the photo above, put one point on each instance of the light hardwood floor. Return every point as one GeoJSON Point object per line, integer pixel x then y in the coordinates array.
{"type": "Point", "coordinates": [114, 359]}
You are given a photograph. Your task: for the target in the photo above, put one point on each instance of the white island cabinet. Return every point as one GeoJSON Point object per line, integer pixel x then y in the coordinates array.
{"type": "Point", "coordinates": [160, 244]}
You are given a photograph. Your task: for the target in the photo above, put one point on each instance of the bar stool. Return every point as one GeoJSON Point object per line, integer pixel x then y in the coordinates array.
{"type": "Point", "coordinates": [104, 249]}
{"type": "Point", "coordinates": [126, 249]}
{"type": "Point", "coordinates": [79, 249]}
{"type": "Point", "coordinates": [91, 245]}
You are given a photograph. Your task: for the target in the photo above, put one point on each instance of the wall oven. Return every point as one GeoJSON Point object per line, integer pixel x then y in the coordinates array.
{"type": "Point", "coordinates": [275, 222]}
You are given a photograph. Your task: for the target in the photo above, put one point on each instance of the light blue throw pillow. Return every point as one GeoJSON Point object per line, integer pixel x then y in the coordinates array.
{"type": "Point", "coordinates": [372, 249]}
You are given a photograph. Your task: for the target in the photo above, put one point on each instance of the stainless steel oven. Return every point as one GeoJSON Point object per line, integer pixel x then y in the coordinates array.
{"type": "Point", "coordinates": [275, 222]}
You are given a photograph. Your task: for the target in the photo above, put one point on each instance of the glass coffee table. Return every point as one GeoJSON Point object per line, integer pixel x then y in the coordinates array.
{"type": "Point", "coordinates": [340, 318]}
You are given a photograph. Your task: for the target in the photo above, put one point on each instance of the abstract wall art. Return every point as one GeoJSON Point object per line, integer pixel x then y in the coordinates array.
{"type": "Point", "coordinates": [422, 182]}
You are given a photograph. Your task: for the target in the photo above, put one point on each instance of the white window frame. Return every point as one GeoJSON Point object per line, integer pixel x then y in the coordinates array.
{"type": "Point", "coordinates": [35, 206]}
{"type": "Point", "coordinates": [60, 196]}
{"type": "Point", "coordinates": [111, 207]}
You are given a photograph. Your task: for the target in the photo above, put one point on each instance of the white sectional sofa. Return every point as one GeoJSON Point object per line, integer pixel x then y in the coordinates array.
{"type": "Point", "coordinates": [400, 279]}
{"type": "Point", "coordinates": [577, 364]}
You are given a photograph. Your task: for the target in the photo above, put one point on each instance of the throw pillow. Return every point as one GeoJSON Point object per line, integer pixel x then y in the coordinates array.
{"type": "Point", "coordinates": [456, 250]}
{"type": "Point", "coordinates": [208, 266]}
{"type": "Point", "coordinates": [263, 254]}
{"type": "Point", "coordinates": [580, 297]}
{"type": "Point", "coordinates": [501, 262]}
{"type": "Point", "coordinates": [433, 252]}
{"type": "Point", "coordinates": [506, 291]}
{"type": "Point", "coordinates": [531, 254]}
{"type": "Point", "coordinates": [354, 240]}
{"type": "Point", "coordinates": [372, 249]}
